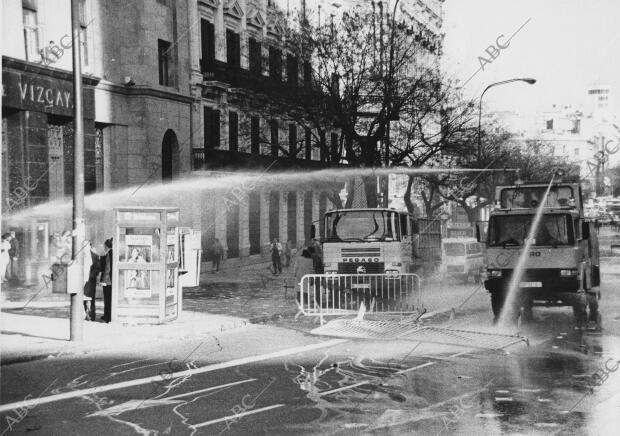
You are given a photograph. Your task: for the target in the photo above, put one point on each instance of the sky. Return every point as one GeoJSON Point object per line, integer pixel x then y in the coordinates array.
{"type": "Point", "coordinates": [566, 45]}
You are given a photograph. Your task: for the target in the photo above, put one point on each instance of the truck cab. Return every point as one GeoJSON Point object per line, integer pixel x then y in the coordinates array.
{"type": "Point", "coordinates": [541, 250]}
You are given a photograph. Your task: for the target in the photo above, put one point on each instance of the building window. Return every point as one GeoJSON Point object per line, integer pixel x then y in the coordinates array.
{"type": "Point", "coordinates": [275, 63]}
{"type": "Point", "coordinates": [292, 70]}
{"type": "Point", "coordinates": [255, 135]}
{"type": "Point", "coordinates": [164, 56]}
{"type": "Point", "coordinates": [274, 138]}
{"type": "Point", "coordinates": [207, 40]}
{"type": "Point", "coordinates": [308, 144]}
{"type": "Point", "coordinates": [333, 144]}
{"type": "Point", "coordinates": [233, 49]}
{"type": "Point", "coordinates": [576, 152]}
{"type": "Point", "coordinates": [233, 131]}
{"type": "Point", "coordinates": [256, 57]}
{"type": "Point", "coordinates": [99, 159]}
{"type": "Point", "coordinates": [576, 126]}
{"type": "Point", "coordinates": [292, 140]}
{"type": "Point", "coordinates": [211, 128]}
{"type": "Point", "coordinates": [549, 124]}
{"type": "Point", "coordinates": [322, 145]}
{"type": "Point", "coordinates": [31, 30]}
{"type": "Point", "coordinates": [307, 74]}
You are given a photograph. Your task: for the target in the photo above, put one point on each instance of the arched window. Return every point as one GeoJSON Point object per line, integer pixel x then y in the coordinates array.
{"type": "Point", "coordinates": [169, 156]}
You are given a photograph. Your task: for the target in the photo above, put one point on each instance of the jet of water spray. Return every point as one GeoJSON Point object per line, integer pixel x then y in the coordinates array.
{"type": "Point", "coordinates": [511, 297]}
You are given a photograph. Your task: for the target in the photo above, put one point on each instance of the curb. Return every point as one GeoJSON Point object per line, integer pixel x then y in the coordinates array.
{"type": "Point", "coordinates": [83, 348]}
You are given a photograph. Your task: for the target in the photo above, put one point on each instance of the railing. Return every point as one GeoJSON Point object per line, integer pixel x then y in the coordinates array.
{"type": "Point", "coordinates": [238, 77]}
{"type": "Point", "coordinates": [198, 158]}
{"type": "Point", "coordinates": [338, 294]}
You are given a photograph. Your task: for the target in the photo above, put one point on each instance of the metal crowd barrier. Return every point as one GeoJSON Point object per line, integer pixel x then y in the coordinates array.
{"type": "Point", "coordinates": [339, 294]}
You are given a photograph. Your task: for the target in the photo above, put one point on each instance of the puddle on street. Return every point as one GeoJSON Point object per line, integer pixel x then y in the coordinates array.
{"type": "Point", "coordinates": [530, 391]}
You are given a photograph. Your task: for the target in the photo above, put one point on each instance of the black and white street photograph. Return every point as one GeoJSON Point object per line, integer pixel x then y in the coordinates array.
{"type": "Point", "coordinates": [310, 217]}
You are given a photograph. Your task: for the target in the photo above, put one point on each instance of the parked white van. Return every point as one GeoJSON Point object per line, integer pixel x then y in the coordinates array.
{"type": "Point", "coordinates": [462, 258]}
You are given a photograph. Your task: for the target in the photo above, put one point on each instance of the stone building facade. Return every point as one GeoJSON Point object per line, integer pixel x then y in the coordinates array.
{"type": "Point", "coordinates": [170, 89]}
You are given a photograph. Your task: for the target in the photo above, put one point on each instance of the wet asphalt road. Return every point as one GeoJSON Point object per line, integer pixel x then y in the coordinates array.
{"type": "Point", "coordinates": [349, 387]}
{"type": "Point", "coordinates": [565, 383]}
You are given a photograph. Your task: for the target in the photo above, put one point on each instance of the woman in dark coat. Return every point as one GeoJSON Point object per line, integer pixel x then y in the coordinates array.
{"type": "Point", "coordinates": [90, 287]}
{"type": "Point", "coordinates": [106, 281]}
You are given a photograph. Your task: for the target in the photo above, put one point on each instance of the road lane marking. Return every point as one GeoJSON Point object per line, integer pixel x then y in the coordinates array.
{"type": "Point", "coordinates": [344, 388]}
{"type": "Point", "coordinates": [212, 388]}
{"type": "Point", "coordinates": [235, 417]}
{"type": "Point", "coordinates": [402, 371]}
{"type": "Point", "coordinates": [189, 372]}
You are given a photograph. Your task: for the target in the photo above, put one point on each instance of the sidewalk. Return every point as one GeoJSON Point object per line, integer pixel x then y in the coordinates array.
{"type": "Point", "coordinates": [35, 322]}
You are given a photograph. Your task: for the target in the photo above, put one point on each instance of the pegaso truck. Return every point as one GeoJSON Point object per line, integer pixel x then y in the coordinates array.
{"type": "Point", "coordinates": [561, 267]}
{"type": "Point", "coordinates": [378, 241]}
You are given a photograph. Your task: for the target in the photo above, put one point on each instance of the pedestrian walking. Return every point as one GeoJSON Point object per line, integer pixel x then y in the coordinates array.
{"type": "Point", "coordinates": [5, 246]}
{"type": "Point", "coordinates": [317, 257]}
{"type": "Point", "coordinates": [106, 281]}
{"type": "Point", "coordinates": [93, 283]}
{"type": "Point", "coordinates": [12, 273]}
{"type": "Point", "coordinates": [276, 252]}
{"type": "Point", "coordinates": [304, 265]}
{"type": "Point", "coordinates": [288, 250]}
{"type": "Point", "coordinates": [217, 250]}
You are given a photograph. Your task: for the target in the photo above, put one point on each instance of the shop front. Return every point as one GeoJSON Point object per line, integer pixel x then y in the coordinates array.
{"type": "Point", "coordinates": [37, 158]}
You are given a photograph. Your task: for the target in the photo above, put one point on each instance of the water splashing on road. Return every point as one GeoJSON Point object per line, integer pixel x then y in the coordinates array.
{"type": "Point", "coordinates": [511, 297]}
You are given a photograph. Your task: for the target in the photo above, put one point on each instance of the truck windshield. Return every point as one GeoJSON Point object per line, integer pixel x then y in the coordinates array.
{"type": "Point", "coordinates": [362, 225]}
{"type": "Point", "coordinates": [512, 230]}
{"type": "Point", "coordinates": [530, 196]}
{"type": "Point", "coordinates": [454, 249]}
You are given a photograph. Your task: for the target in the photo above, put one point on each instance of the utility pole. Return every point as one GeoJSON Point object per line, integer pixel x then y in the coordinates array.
{"type": "Point", "coordinates": [76, 325]}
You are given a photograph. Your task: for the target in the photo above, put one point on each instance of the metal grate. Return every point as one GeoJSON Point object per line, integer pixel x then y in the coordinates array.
{"type": "Point", "coordinates": [368, 268]}
{"type": "Point", "coordinates": [410, 330]}
{"type": "Point", "coordinates": [366, 329]}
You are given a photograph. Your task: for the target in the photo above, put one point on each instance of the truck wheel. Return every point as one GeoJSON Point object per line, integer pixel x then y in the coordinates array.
{"type": "Point", "coordinates": [497, 303]}
{"type": "Point", "coordinates": [596, 275]}
{"type": "Point", "coordinates": [593, 313]}
{"type": "Point", "coordinates": [527, 314]}
{"type": "Point", "coordinates": [581, 317]}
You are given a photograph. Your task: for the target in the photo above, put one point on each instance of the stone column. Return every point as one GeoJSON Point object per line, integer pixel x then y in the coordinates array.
{"type": "Point", "coordinates": [300, 219]}
{"type": "Point", "coordinates": [220, 32]}
{"type": "Point", "coordinates": [283, 217]}
{"type": "Point", "coordinates": [264, 222]}
{"type": "Point", "coordinates": [220, 221]}
{"type": "Point", "coordinates": [315, 208]}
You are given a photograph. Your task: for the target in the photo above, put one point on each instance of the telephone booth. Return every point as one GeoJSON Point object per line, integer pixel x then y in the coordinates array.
{"type": "Point", "coordinates": [189, 257]}
{"type": "Point", "coordinates": [145, 265]}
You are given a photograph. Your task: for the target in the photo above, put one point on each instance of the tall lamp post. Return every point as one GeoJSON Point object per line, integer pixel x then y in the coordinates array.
{"type": "Point", "coordinates": [77, 295]}
{"type": "Point", "coordinates": [527, 80]}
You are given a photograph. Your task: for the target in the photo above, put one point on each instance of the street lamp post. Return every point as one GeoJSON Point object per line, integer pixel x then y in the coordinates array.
{"type": "Point", "coordinates": [77, 295]}
{"type": "Point", "coordinates": [527, 80]}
